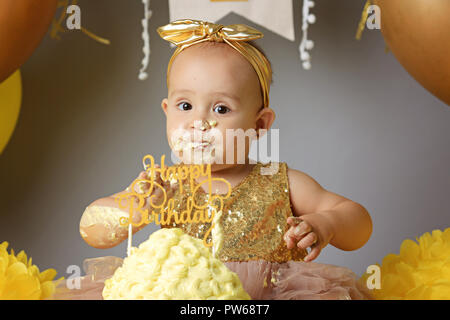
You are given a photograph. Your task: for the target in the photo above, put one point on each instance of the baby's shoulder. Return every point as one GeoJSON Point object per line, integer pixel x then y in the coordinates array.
{"type": "Point", "coordinates": [295, 179]}
{"type": "Point", "coordinates": [299, 180]}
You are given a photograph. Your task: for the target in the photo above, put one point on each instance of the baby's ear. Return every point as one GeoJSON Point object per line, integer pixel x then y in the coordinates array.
{"type": "Point", "coordinates": [266, 117]}
{"type": "Point", "coordinates": [164, 105]}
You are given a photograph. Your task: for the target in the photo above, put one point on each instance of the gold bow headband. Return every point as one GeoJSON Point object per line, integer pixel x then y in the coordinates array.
{"type": "Point", "coordinates": [185, 33]}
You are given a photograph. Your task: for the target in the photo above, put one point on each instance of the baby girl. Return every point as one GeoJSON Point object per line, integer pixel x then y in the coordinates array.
{"type": "Point", "coordinates": [274, 224]}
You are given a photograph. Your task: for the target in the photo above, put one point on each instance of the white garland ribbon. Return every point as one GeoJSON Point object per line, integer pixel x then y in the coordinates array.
{"type": "Point", "coordinates": [145, 36]}
{"type": "Point", "coordinates": [306, 44]}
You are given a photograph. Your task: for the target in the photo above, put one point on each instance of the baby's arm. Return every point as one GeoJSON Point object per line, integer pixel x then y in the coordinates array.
{"type": "Point", "coordinates": [329, 217]}
{"type": "Point", "coordinates": [100, 226]}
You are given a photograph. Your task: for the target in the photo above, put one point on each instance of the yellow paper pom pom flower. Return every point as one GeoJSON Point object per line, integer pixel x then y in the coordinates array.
{"type": "Point", "coordinates": [420, 272]}
{"type": "Point", "coordinates": [21, 280]}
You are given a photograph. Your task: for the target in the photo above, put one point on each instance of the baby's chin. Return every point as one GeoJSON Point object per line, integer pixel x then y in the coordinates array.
{"type": "Point", "coordinates": [196, 153]}
{"type": "Point", "coordinates": [199, 157]}
{"type": "Point", "coordinates": [215, 167]}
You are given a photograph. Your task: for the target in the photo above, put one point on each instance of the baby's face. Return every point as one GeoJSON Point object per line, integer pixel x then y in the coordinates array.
{"type": "Point", "coordinates": [215, 84]}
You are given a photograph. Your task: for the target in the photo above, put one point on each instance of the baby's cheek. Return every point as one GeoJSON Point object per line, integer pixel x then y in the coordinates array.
{"type": "Point", "coordinates": [240, 145]}
{"type": "Point", "coordinates": [175, 137]}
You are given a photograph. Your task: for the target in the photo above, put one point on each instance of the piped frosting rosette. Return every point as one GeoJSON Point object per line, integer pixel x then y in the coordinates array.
{"type": "Point", "coordinates": [173, 265]}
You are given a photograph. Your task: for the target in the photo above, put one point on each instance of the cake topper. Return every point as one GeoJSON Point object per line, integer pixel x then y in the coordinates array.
{"type": "Point", "coordinates": [165, 211]}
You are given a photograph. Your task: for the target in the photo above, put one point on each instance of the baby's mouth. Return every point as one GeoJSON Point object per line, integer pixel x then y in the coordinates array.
{"type": "Point", "coordinates": [202, 145]}
{"type": "Point", "coordinates": [182, 144]}
{"type": "Point", "coordinates": [202, 151]}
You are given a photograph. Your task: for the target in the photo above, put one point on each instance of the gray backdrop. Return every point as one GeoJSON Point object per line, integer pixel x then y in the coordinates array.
{"type": "Point", "coordinates": [357, 123]}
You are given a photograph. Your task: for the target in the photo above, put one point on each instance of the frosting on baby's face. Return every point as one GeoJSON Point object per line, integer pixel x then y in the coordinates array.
{"type": "Point", "coordinates": [212, 84]}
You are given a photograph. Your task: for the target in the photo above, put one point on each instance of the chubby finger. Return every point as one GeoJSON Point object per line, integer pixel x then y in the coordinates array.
{"type": "Point", "coordinates": [166, 186]}
{"type": "Point", "coordinates": [294, 234]}
{"type": "Point", "coordinates": [142, 175]}
{"type": "Point", "coordinates": [307, 241]}
{"type": "Point", "coordinates": [313, 254]}
{"type": "Point", "coordinates": [137, 186]}
{"type": "Point", "coordinates": [172, 189]}
{"type": "Point", "coordinates": [302, 229]}
{"type": "Point", "coordinates": [164, 189]}
{"type": "Point", "coordinates": [149, 172]}
{"type": "Point", "coordinates": [147, 167]}
{"type": "Point", "coordinates": [293, 221]}
{"type": "Point", "coordinates": [291, 237]}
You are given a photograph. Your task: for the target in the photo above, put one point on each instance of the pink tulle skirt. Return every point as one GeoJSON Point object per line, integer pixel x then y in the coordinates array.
{"type": "Point", "coordinates": [263, 280]}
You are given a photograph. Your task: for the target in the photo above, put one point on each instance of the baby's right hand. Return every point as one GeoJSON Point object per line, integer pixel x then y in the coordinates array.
{"type": "Point", "coordinates": [156, 197]}
{"type": "Point", "coordinates": [104, 231]}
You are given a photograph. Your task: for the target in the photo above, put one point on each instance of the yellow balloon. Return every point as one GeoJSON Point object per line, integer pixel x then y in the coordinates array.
{"type": "Point", "coordinates": [10, 100]}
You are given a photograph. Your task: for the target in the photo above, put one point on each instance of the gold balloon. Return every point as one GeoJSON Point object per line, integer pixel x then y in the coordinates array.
{"type": "Point", "coordinates": [418, 34]}
{"type": "Point", "coordinates": [10, 100]}
{"type": "Point", "coordinates": [23, 24]}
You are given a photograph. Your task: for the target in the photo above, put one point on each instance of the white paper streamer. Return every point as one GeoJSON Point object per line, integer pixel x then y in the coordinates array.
{"type": "Point", "coordinates": [306, 44]}
{"type": "Point", "coordinates": [145, 36]}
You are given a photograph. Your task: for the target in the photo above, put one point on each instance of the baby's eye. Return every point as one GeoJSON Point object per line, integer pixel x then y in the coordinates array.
{"type": "Point", "coordinates": [221, 109]}
{"type": "Point", "coordinates": [184, 106]}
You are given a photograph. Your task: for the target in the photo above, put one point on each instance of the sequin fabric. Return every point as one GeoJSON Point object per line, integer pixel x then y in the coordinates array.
{"type": "Point", "coordinates": [254, 217]}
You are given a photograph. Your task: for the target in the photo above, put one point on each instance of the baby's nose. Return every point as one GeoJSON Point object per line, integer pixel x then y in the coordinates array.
{"type": "Point", "coordinates": [202, 125]}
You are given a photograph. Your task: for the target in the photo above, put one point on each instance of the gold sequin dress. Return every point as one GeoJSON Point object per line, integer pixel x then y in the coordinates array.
{"type": "Point", "coordinates": [253, 219]}
{"type": "Point", "coordinates": [253, 222]}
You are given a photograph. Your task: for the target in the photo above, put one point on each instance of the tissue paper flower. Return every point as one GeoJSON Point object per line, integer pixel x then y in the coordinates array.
{"type": "Point", "coordinates": [420, 271]}
{"type": "Point", "coordinates": [21, 280]}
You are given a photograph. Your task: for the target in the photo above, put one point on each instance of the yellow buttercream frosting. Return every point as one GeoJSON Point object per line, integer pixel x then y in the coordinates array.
{"type": "Point", "coordinates": [173, 265]}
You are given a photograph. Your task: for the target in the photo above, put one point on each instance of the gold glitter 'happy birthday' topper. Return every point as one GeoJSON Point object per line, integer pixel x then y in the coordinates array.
{"type": "Point", "coordinates": [164, 212]}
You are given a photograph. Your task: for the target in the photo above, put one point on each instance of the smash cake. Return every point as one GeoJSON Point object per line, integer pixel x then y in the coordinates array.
{"type": "Point", "coordinates": [172, 265]}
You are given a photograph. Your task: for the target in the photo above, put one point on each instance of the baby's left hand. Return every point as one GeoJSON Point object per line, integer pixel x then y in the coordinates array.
{"type": "Point", "coordinates": [304, 234]}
